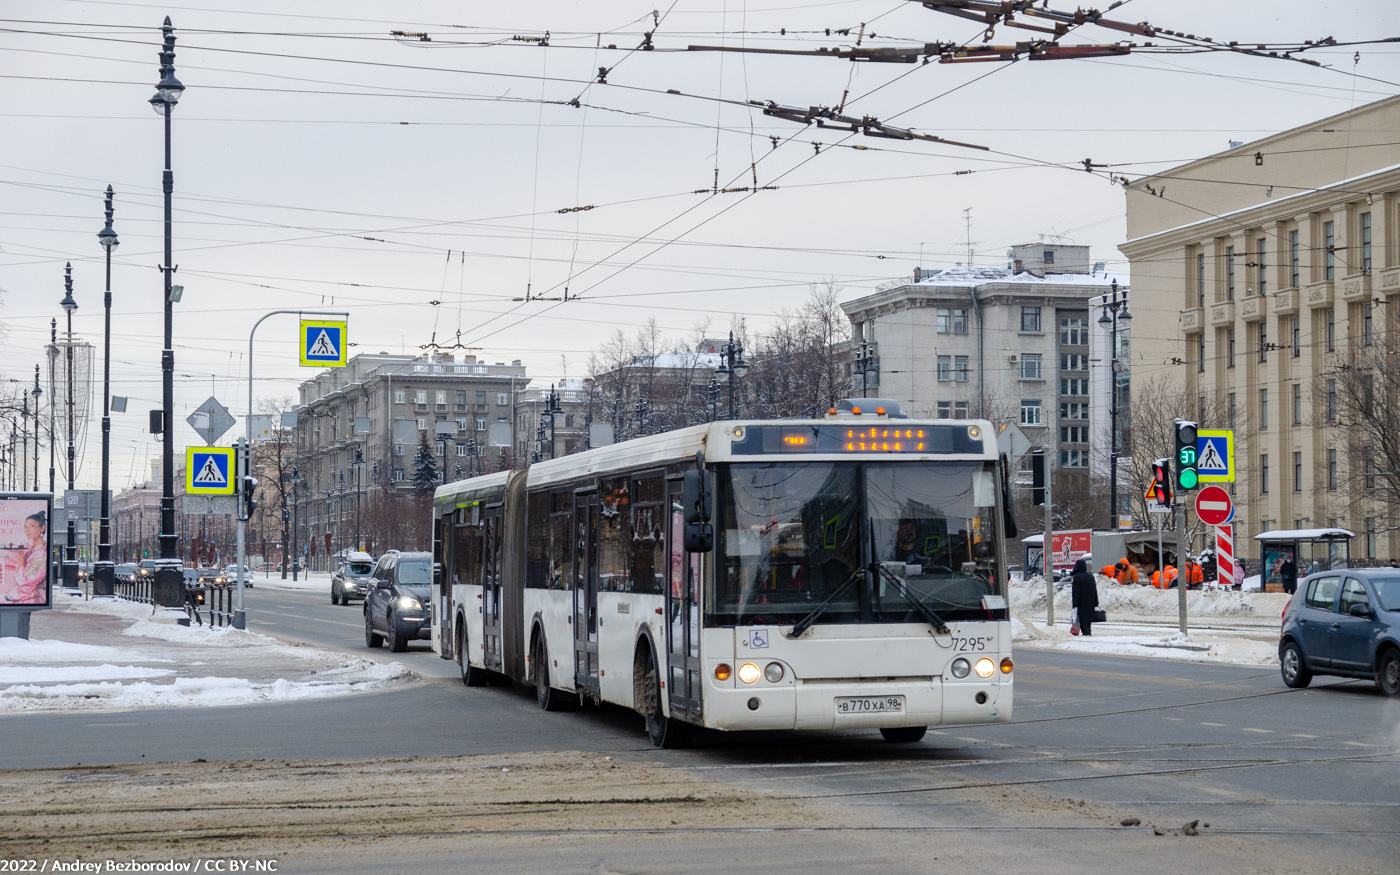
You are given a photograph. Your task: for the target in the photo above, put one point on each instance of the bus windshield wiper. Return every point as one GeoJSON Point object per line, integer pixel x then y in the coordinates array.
{"type": "Point", "coordinates": [933, 619]}
{"type": "Point", "coordinates": [806, 622]}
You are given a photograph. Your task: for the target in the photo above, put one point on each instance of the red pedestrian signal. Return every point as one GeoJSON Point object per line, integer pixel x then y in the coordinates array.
{"type": "Point", "coordinates": [1161, 488]}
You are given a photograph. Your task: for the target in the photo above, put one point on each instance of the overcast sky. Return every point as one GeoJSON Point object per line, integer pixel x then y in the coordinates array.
{"type": "Point", "coordinates": [323, 163]}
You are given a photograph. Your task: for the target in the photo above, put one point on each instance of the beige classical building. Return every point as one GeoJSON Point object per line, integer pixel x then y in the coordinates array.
{"type": "Point", "coordinates": [1256, 272]}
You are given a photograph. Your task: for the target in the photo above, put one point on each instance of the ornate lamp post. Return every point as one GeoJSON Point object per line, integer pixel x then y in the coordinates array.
{"type": "Point", "coordinates": [36, 392]}
{"type": "Point", "coordinates": [731, 367]}
{"type": "Point", "coordinates": [103, 577]}
{"type": "Point", "coordinates": [359, 463]}
{"type": "Point", "coordinates": [1114, 309]}
{"type": "Point", "coordinates": [168, 590]}
{"type": "Point", "coordinates": [70, 549]}
{"type": "Point", "coordinates": [866, 363]}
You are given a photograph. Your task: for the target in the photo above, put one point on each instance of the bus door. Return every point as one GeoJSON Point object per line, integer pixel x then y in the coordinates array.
{"type": "Point", "coordinates": [441, 601]}
{"type": "Point", "coordinates": [491, 589]}
{"type": "Point", "coordinates": [682, 614]}
{"type": "Point", "coordinates": [585, 618]}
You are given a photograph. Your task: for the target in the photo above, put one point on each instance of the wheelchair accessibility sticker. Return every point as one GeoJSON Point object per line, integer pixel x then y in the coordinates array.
{"type": "Point", "coordinates": [758, 638]}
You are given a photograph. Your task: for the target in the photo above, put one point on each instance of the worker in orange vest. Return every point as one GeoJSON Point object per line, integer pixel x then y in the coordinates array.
{"type": "Point", "coordinates": [1194, 574]}
{"type": "Point", "coordinates": [1126, 573]}
{"type": "Point", "coordinates": [1163, 578]}
{"type": "Point", "coordinates": [1109, 571]}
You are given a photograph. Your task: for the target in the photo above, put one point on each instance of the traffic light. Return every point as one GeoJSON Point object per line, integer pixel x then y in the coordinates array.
{"type": "Point", "coordinates": [1186, 476]}
{"type": "Point", "coordinates": [250, 502]}
{"type": "Point", "coordinates": [1162, 482]}
{"type": "Point", "coordinates": [1038, 477]}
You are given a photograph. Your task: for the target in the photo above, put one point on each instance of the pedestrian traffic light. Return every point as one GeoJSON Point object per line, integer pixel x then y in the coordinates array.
{"type": "Point", "coordinates": [1038, 477]}
{"type": "Point", "coordinates": [250, 502]}
{"type": "Point", "coordinates": [1186, 476]}
{"type": "Point", "coordinates": [1161, 489]}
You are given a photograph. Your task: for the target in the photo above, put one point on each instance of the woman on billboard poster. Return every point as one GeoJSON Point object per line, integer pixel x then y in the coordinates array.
{"type": "Point", "coordinates": [26, 568]}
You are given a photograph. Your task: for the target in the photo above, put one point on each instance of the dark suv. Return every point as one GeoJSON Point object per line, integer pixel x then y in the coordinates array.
{"type": "Point", "coordinates": [398, 601]}
{"type": "Point", "coordinates": [1344, 622]}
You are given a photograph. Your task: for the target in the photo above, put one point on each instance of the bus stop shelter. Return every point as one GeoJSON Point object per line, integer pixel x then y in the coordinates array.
{"type": "Point", "coordinates": [1309, 550]}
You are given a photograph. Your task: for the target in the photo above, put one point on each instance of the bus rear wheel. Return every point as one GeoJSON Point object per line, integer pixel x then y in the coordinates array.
{"type": "Point", "coordinates": [904, 734]}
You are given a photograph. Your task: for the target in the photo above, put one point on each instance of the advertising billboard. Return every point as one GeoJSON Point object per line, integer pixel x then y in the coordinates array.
{"type": "Point", "coordinates": [25, 574]}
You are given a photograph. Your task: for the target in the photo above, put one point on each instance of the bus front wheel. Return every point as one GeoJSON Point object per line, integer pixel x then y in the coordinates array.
{"type": "Point", "coordinates": [904, 734]}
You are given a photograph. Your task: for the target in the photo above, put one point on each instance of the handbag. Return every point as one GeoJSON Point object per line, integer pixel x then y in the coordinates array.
{"type": "Point", "coordinates": [1100, 616]}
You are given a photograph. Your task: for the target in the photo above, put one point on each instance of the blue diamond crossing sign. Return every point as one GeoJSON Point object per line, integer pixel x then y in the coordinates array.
{"type": "Point", "coordinates": [209, 471]}
{"type": "Point", "coordinates": [1215, 457]}
{"type": "Point", "coordinates": [322, 343]}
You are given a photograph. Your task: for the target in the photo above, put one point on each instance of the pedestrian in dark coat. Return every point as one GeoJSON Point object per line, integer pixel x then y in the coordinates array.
{"type": "Point", "coordinates": [1084, 596]}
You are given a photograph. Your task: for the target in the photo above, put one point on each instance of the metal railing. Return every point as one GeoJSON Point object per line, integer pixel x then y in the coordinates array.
{"type": "Point", "coordinates": [214, 600]}
{"type": "Point", "coordinates": [135, 589]}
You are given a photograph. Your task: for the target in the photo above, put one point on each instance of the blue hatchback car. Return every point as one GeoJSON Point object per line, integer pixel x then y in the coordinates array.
{"type": "Point", "coordinates": [1344, 622]}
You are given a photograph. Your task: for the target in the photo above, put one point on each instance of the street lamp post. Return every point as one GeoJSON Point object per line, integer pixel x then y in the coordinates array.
{"type": "Point", "coordinates": [168, 590]}
{"type": "Point", "coordinates": [36, 392]}
{"type": "Point", "coordinates": [865, 363]}
{"type": "Point", "coordinates": [70, 548]}
{"type": "Point", "coordinates": [359, 463]}
{"type": "Point", "coordinates": [554, 411]}
{"type": "Point", "coordinates": [731, 367]}
{"type": "Point", "coordinates": [1114, 309]}
{"type": "Point", "coordinates": [340, 512]}
{"type": "Point", "coordinates": [103, 576]}
{"type": "Point", "coordinates": [295, 481]}
{"type": "Point", "coordinates": [53, 445]}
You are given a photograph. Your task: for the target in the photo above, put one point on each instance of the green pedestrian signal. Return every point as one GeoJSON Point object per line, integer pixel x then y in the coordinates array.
{"type": "Point", "coordinates": [1186, 454]}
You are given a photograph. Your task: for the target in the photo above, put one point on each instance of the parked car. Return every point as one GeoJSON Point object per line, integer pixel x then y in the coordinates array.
{"type": "Point", "coordinates": [398, 603]}
{"type": "Point", "coordinates": [353, 579]}
{"type": "Point", "coordinates": [231, 574]}
{"type": "Point", "coordinates": [1344, 622]}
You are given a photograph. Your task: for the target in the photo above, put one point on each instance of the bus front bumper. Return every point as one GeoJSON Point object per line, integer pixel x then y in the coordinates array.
{"type": "Point", "coordinates": [857, 705]}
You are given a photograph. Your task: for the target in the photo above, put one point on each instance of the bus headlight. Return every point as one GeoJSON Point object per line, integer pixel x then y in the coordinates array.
{"type": "Point", "coordinates": [1007, 665]}
{"type": "Point", "coordinates": [985, 668]}
{"type": "Point", "coordinates": [748, 672]}
{"type": "Point", "coordinates": [723, 671]}
{"type": "Point", "coordinates": [773, 672]}
{"type": "Point", "coordinates": [961, 667]}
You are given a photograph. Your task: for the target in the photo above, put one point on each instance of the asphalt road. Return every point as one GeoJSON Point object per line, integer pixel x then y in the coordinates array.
{"type": "Point", "coordinates": [1287, 779]}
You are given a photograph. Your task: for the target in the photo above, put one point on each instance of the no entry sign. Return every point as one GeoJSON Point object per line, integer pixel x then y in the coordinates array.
{"type": "Point", "coordinates": [1214, 507]}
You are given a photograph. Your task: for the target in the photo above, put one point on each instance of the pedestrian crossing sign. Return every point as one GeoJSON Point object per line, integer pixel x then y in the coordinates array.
{"type": "Point", "coordinates": [209, 471]}
{"type": "Point", "coordinates": [322, 343]}
{"type": "Point", "coordinates": [1215, 455]}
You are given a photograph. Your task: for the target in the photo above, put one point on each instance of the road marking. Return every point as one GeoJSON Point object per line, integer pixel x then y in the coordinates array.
{"type": "Point", "coordinates": [1358, 744]}
{"type": "Point", "coordinates": [1302, 735]}
{"type": "Point", "coordinates": [1263, 731]}
{"type": "Point", "coordinates": [300, 617]}
{"type": "Point", "coordinates": [1215, 724]}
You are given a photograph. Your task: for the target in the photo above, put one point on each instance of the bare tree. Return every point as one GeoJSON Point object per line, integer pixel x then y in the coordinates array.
{"type": "Point", "coordinates": [1357, 394]}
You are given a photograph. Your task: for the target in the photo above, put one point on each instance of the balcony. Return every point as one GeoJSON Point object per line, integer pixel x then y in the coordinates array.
{"type": "Point", "coordinates": [1356, 288]}
{"type": "Point", "coordinates": [1286, 302]}
{"type": "Point", "coordinates": [1254, 308]}
{"type": "Point", "coordinates": [1389, 280]}
{"type": "Point", "coordinates": [1222, 315]}
{"type": "Point", "coordinates": [1192, 320]}
{"type": "Point", "coordinates": [1320, 294]}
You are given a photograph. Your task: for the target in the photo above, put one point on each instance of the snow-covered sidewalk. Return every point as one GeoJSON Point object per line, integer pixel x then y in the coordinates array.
{"type": "Point", "coordinates": [1222, 625]}
{"type": "Point", "coordinates": [99, 655]}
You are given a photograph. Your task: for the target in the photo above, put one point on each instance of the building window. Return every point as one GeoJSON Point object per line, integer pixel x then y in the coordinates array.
{"type": "Point", "coordinates": [945, 369]}
{"type": "Point", "coordinates": [1230, 347]}
{"type": "Point", "coordinates": [461, 397]}
{"type": "Point", "coordinates": [1370, 531]}
{"type": "Point", "coordinates": [1074, 458]}
{"type": "Point", "coordinates": [1047, 257]}
{"type": "Point", "coordinates": [461, 423]}
{"type": "Point", "coordinates": [1260, 255]}
{"type": "Point", "coordinates": [1297, 345]}
{"type": "Point", "coordinates": [420, 396]}
{"type": "Point", "coordinates": [1074, 434]}
{"type": "Point", "coordinates": [1331, 400]}
{"type": "Point", "coordinates": [1030, 411]}
{"type": "Point", "coordinates": [1366, 242]}
{"type": "Point", "coordinates": [441, 396]}
{"type": "Point", "coordinates": [954, 321]}
{"type": "Point", "coordinates": [398, 474]}
{"type": "Point", "coordinates": [1201, 352]}
{"type": "Point", "coordinates": [1030, 319]}
{"type": "Point", "coordinates": [1297, 472]}
{"type": "Point", "coordinates": [1264, 474]}
{"type": "Point", "coordinates": [1331, 469]}
{"type": "Point", "coordinates": [1297, 403]}
{"type": "Point", "coordinates": [481, 423]}
{"type": "Point", "coordinates": [480, 398]}
{"type": "Point", "coordinates": [422, 423]}
{"type": "Point", "coordinates": [960, 410]}
{"type": "Point", "coordinates": [1293, 257]}
{"type": "Point", "coordinates": [1370, 457]}
{"type": "Point", "coordinates": [400, 396]}
{"type": "Point", "coordinates": [1263, 341]}
{"type": "Point", "coordinates": [1368, 335]}
{"type": "Point", "coordinates": [1074, 386]}
{"type": "Point", "coordinates": [1263, 409]}
{"type": "Point", "coordinates": [1229, 273]}
{"type": "Point", "coordinates": [1074, 362]}
{"type": "Point", "coordinates": [1329, 253]}
{"type": "Point", "coordinates": [1201, 280]}
{"type": "Point", "coordinates": [1230, 409]}
{"type": "Point", "coordinates": [1074, 410]}
{"type": "Point", "coordinates": [1330, 329]}
{"type": "Point", "coordinates": [1030, 367]}
{"type": "Point", "coordinates": [398, 449]}
{"type": "Point", "coordinates": [1368, 385]}
{"type": "Point", "coordinates": [960, 368]}
{"type": "Point", "coordinates": [502, 399]}
{"type": "Point", "coordinates": [1074, 331]}
{"type": "Point", "coordinates": [442, 448]}
{"type": "Point", "coordinates": [461, 449]}
{"type": "Point", "coordinates": [945, 410]}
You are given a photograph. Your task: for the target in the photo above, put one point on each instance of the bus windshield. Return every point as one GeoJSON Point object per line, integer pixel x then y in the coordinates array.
{"type": "Point", "coordinates": [868, 542]}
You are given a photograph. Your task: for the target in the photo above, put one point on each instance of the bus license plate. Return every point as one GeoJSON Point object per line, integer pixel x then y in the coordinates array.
{"type": "Point", "coordinates": [870, 705]}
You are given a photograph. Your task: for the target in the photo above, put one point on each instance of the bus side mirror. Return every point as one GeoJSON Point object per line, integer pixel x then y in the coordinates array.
{"type": "Point", "coordinates": [695, 499]}
{"type": "Point", "coordinates": [699, 537]}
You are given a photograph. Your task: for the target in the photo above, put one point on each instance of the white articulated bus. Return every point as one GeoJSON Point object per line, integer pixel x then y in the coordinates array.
{"type": "Point", "coordinates": [836, 573]}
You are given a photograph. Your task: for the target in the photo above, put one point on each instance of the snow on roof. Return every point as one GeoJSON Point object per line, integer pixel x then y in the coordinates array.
{"type": "Point", "coordinates": [1305, 535]}
{"type": "Point", "coordinates": [679, 360]}
{"type": "Point", "coordinates": [976, 276]}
